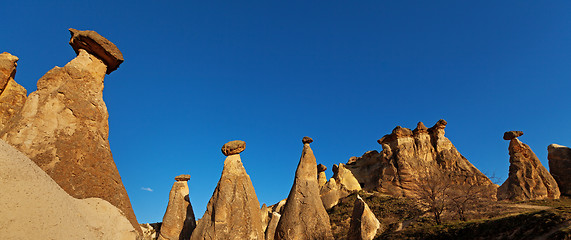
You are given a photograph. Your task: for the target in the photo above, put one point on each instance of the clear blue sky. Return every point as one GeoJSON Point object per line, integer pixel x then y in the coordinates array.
{"type": "Point", "coordinates": [200, 73]}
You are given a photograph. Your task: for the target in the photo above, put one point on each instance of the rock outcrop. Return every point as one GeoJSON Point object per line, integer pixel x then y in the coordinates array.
{"type": "Point", "coordinates": [63, 128]}
{"type": "Point", "coordinates": [339, 186]}
{"type": "Point", "coordinates": [407, 156]}
{"type": "Point", "coordinates": [178, 222]}
{"type": "Point", "coordinates": [233, 212]}
{"type": "Point", "coordinates": [364, 224]}
{"type": "Point", "coordinates": [33, 206]}
{"type": "Point", "coordinates": [321, 177]}
{"type": "Point", "coordinates": [96, 45]}
{"type": "Point", "coordinates": [12, 95]}
{"type": "Point", "coordinates": [560, 166]}
{"type": "Point", "coordinates": [272, 225]}
{"type": "Point", "coordinates": [304, 216]}
{"type": "Point", "coordinates": [528, 179]}
{"type": "Point", "coordinates": [330, 194]}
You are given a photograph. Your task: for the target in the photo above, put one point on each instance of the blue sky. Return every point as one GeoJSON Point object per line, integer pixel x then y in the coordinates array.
{"type": "Point", "coordinates": [198, 74]}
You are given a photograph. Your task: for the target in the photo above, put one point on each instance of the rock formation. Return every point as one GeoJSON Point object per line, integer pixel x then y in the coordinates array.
{"type": "Point", "coordinates": [321, 177]}
{"type": "Point", "coordinates": [179, 221]}
{"type": "Point", "coordinates": [528, 179]}
{"type": "Point", "coordinates": [339, 186]}
{"type": "Point", "coordinates": [560, 166]}
{"type": "Point", "coordinates": [233, 212]}
{"type": "Point", "coordinates": [409, 155]}
{"type": "Point", "coordinates": [33, 206]}
{"type": "Point", "coordinates": [271, 230]}
{"type": "Point", "coordinates": [63, 128]}
{"type": "Point", "coordinates": [330, 194]}
{"type": "Point", "coordinates": [304, 216]}
{"type": "Point", "coordinates": [266, 215]}
{"type": "Point", "coordinates": [96, 45]}
{"type": "Point", "coordinates": [12, 95]}
{"type": "Point", "coordinates": [364, 224]}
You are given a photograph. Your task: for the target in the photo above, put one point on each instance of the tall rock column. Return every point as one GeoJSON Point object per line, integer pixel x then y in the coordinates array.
{"type": "Point", "coordinates": [63, 125]}
{"type": "Point", "coordinates": [528, 179]}
{"type": "Point", "coordinates": [233, 212]}
{"type": "Point", "coordinates": [179, 221]}
{"type": "Point", "coordinates": [304, 216]}
{"type": "Point", "coordinates": [321, 177]}
{"type": "Point", "coordinates": [560, 166]}
{"type": "Point", "coordinates": [12, 95]}
{"type": "Point", "coordinates": [364, 224]}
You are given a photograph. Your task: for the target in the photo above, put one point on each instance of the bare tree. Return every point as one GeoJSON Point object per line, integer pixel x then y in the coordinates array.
{"type": "Point", "coordinates": [433, 194]}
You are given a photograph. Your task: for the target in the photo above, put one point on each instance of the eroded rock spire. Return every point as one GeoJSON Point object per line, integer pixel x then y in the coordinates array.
{"type": "Point", "coordinates": [178, 222]}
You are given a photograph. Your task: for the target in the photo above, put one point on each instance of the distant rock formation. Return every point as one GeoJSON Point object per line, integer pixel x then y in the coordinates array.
{"type": "Point", "coordinates": [560, 166]}
{"type": "Point", "coordinates": [33, 206]}
{"type": "Point", "coordinates": [339, 186]}
{"type": "Point", "coordinates": [330, 194]}
{"type": "Point", "coordinates": [12, 95]}
{"type": "Point", "coordinates": [407, 156]}
{"type": "Point", "coordinates": [528, 179]}
{"type": "Point", "coordinates": [364, 224]}
{"type": "Point", "coordinates": [233, 212]}
{"type": "Point", "coordinates": [63, 127]}
{"type": "Point", "coordinates": [304, 216]}
{"type": "Point", "coordinates": [178, 222]}
{"type": "Point", "coordinates": [321, 177]}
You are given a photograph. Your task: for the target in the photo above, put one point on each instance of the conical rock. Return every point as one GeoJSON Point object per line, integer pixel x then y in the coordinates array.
{"type": "Point", "coordinates": [364, 224]}
{"type": "Point", "coordinates": [179, 221]}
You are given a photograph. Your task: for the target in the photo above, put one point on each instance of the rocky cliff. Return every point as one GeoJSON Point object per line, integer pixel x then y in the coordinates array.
{"type": "Point", "coordinates": [560, 166]}
{"type": "Point", "coordinates": [63, 125]}
{"type": "Point", "coordinates": [12, 95]}
{"type": "Point", "coordinates": [407, 156]}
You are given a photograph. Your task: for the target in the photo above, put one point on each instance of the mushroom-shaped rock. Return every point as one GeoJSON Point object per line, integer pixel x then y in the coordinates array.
{"type": "Point", "coordinates": [528, 179]}
{"type": "Point", "coordinates": [178, 221]}
{"type": "Point", "coordinates": [420, 128]}
{"type": "Point", "coordinates": [233, 147]}
{"type": "Point", "coordinates": [306, 140]}
{"type": "Point", "coordinates": [560, 166]}
{"type": "Point", "coordinates": [509, 135]}
{"type": "Point", "coordinates": [233, 211]}
{"type": "Point", "coordinates": [304, 216]}
{"type": "Point", "coordinates": [98, 46]}
{"type": "Point", "coordinates": [364, 224]}
{"type": "Point", "coordinates": [321, 176]}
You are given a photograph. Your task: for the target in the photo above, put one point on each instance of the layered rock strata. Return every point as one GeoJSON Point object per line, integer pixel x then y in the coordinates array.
{"type": "Point", "coordinates": [233, 212]}
{"type": "Point", "coordinates": [560, 166]}
{"type": "Point", "coordinates": [12, 95]}
{"type": "Point", "coordinates": [63, 128]}
{"type": "Point", "coordinates": [178, 221]}
{"type": "Point", "coordinates": [528, 179]}
{"type": "Point", "coordinates": [408, 156]}
{"type": "Point", "coordinates": [304, 216]}
{"type": "Point", "coordinates": [364, 224]}
{"type": "Point", "coordinates": [33, 206]}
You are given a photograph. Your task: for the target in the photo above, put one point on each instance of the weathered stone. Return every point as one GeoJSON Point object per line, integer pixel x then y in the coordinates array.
{"type": "Point", "coordinates": [560, 166]}
{"type": "Point", "coordinates": [304, 216]}
{"type": "Point", "coordinates": [321, 176]}
{"type": "Point", "coordinates": [12, 95]}
{"type": "Point", "coordinates": [150, 230]}
{"type": "Point", "coordinates": [97, 46]}
{"type": "Point", "coordinates": [279, 207]}
{"type": "Point", "coordinates": [364, 224]}
{"type": "Point", "coordinates": [528, 179]}
{"type": "Point", "coordinates": [344, 177]}
{"type": "Point", "coordinates": [63, 128]}
{"type": "Point", "coordinates": [265, 214]}
{"type": "Point", "coordinates": [406, 156]}
{"type": "Point", "coordinates": [509, 135]}
{"type": "Point", "coordinates": [329, 194]}
{"type": "Point", "coordinates": [233, 211]}
{"type": "Point", "coordinates": [182, 177]}
{"type": "Point", "coordinates": [307, 140]}
{"type": "Point", "coordinates": [178, 221]}
{"type": "Point", "coordinates": [33, 206]}
{"type": "Point", "coordinates": [321, 168]}
{"type": "Point", "coordinates": [271, 230]}
{"type": "Point", "coordinates": [233, 147]}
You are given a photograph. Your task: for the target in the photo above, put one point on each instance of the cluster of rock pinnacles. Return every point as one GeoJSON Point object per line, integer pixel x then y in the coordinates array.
{"type": "Point", "coordinates": [63, 128]}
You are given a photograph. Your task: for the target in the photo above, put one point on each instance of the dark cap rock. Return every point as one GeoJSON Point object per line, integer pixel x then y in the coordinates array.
{"type": "Point", "coordinates": [306, 140]}
{"type": "Point", "coordinates": [98, 46]}
{"type": "Point", "coordinates": [321, 168]}
{"type": "Point", "coordinates": [182, 177]}
{"type": "Point", "coordinates": [509, 135]}
{"type": "Point", "coordinates": [233, 147]}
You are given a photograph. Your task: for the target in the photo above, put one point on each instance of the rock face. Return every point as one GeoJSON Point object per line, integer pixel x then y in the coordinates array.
{"type": "Point", "coordinates": [341, 185]}
{"type": "Point", "coordinates": [560, 166]}
{"type": "Point", "coordinates": [364, 224]}
{"type": "Point", "coordinates": [233, 147]}
{"type": "Point", "coordinates": [528, 179]}
{"type": "Point", "coordinates": [407, 156]}
{"type": "Point", "coordinates": [35, 207]}
{"type": "Point", "coordinates": [233, 212]}
{"type": "Point", "coordinates": [304, 216]}
{"type": "Point", "coordinates": [271, 230]}
{"type": "Point", "coordinates": [321, 177]}
{"type": "Point", "coordinates": [12, 95]}
{"type": "Point", "coordinates": [63, 128]}
{"type": "Point", "coordinates": [179, 221]}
